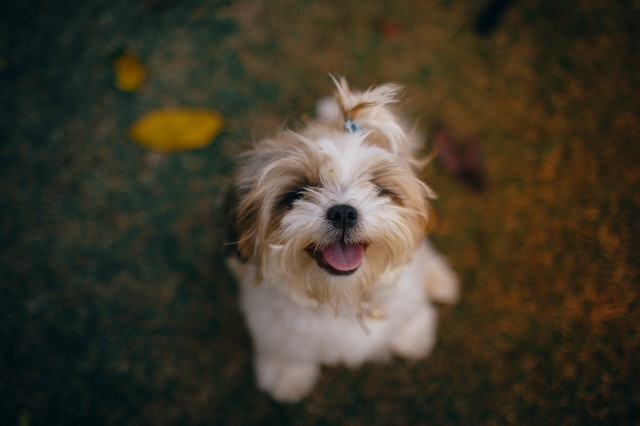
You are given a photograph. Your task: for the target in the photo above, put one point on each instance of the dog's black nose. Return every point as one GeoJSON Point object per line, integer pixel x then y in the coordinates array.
{"type": "Point", "coordinates": [342, 216]}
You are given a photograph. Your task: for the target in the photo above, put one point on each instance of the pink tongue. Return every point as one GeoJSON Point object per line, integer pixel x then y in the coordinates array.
{"type": "Point", "coordinates": [343, 257]}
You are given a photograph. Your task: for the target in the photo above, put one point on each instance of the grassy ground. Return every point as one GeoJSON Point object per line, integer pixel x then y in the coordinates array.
{"type": "Point", "coordinates": [116, 308]}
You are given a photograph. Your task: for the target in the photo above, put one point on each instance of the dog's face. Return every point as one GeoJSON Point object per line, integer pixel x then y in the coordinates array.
{"type": "Point", "coordinates": [325, 213]}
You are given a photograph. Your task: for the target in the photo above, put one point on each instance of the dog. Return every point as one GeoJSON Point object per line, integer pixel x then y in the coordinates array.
{"type": "Point", "coordinates": [327, 238]}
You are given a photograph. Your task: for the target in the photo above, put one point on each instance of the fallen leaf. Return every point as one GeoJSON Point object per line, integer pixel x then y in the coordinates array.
{"type": "Point", "coordinates": [130, 73]}
{"type": "Point", "coordinates": [179, 129]}
{"type": "Point", "coordinates": [489, 18]}
{"type": "Point", "coordinates": [389, 28]}
{"type": "Point", "coordinates": [460, 160]}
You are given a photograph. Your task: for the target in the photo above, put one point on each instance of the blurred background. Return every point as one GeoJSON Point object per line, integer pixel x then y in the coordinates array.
{"type": "Point", "coordinates": [116, 307]}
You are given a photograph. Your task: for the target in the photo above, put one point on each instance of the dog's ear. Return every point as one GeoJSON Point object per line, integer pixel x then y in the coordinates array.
{"type": "Point", "coordinates": [247, 222]}
{"type": "Point", "coordinates": [240, 226]}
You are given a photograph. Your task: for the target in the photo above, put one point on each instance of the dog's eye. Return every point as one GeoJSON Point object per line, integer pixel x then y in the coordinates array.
{"type": "Point", "coordinates": [389, 192]}
{"type": "Point", "coordinates": [386, 192]}
{"type": "Point", "coordinates": [291, 197]}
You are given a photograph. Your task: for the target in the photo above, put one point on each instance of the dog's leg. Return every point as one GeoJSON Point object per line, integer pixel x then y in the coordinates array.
{"type": "Point", "coordinates": [440, 280]}
{"type": "Point", "coordinates": [416, 337]}
{"type": "Point", "coordinates": [285, 382]}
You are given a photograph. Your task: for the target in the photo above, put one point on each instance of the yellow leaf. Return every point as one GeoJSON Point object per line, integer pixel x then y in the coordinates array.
{"type": "Point", "coordinates": [130, 73]}
{"type": "Point", "coordinates": [178, 129]}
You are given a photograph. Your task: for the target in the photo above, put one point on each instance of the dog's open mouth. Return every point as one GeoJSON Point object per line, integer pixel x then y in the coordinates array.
{"type": "Point", "coordinates": [339, 258]}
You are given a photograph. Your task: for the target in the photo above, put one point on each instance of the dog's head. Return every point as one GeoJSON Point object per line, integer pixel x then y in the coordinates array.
{"type": "Point", "coordinates": [325, 212]}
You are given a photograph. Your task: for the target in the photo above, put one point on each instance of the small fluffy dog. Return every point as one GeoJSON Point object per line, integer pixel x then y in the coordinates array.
{"type": "Point", "coordinates": [327, 239]}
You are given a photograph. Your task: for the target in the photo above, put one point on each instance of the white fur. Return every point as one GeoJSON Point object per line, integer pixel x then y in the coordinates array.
{"type": "Point", "coordinates": [292, 340]}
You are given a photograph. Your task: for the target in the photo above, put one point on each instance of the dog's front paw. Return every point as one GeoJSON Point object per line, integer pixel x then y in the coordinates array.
{"type": "Point", "coordinates": [416, 337]}
{"type": "Point", "coordinates": [285, 382]}
{"type": "Point", "coordinates": [441, 281]}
